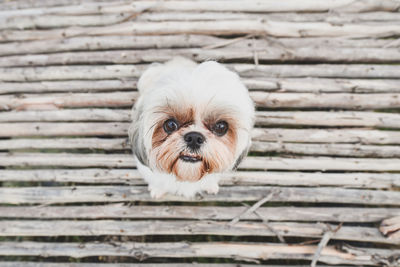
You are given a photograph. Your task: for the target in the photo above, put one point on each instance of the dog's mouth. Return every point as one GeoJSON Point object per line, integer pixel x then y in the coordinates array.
{"type": "Point", "coordinates": [190, 158]}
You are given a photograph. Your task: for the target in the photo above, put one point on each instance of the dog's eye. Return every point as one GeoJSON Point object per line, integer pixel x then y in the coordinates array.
{"type": "Point", "coordinates": [170, 126]}
{"type": "Point", "coordinates": [220, 128]}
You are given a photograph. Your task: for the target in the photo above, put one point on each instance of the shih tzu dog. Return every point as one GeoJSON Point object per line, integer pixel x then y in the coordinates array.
{"type": "Point", "coordinates": [191, 123]}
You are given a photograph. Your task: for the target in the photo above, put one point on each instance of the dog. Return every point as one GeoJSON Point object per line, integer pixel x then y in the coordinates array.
{"type": "Point", "coordinates": [191, 123]}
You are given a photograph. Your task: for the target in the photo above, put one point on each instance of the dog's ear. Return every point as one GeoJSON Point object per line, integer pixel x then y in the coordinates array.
{"type": "Point", "coordinates": [136, 140]}
{"type": "Point", "coordinates": [241, 157]}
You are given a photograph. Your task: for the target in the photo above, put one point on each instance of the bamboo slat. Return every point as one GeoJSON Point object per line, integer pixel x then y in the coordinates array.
{"type": "Point", "coordinates": [342, 136]}
{"type": "Point", "coordinates": [64, 129]}
{"type": "Point", "coordinates": [342, 255]}
{"type": "Point", "coordinates": [348, 150]}
{"type": "Point", "coordinates": [356, 136]}
{"type": "Point", "coordinates": [69, 86]}
{"type": "Point", "coordinates": [122, 211]}
{"type": "Point", "coordinates": [251, 6]}
{"type": "Point", "coordinates": [59, 21]}
{"type": "Point", "coordinates": [132, 177]}
{"type": "Point", "coordinates": [261, 99]}
{"type": "Point", "coordinates": [145, 227]}
{"type": "Point", "coordinates": [260, 163]}
{"type": "Point", "coordinates": [246, 70]}
{"type": "Point", "coordinates": [222, 28]}
{"type": "Point", "coordinates": [237, 194]}
{"type": "Point", "coordinates": [298, 85]}
{"type": "Point", "coordinates": [266, 54]}
{"type": "Point", "coordinates": [114, 42]}
{"type": "Point", "coordinates": [263, 118]}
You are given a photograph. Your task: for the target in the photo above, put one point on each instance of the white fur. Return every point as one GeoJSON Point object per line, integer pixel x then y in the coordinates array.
{"type": "Point", "coordinates": [164, 183]}
{"type": "Point", "coordinates": [207, 86]}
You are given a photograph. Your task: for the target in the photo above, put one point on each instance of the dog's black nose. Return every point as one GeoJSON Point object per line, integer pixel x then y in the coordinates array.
{"type": "Point", "coordinates": [194, 140]}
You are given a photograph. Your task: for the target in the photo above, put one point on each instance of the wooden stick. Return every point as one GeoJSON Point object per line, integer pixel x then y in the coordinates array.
{"type": "Point", "coordinates": [115, 42]}
{"type": "Point", "coordinates": [270, 227]}
{"type": "Point", "coordinates": [92, 114]}
{"type": "Point", "coordinates": [349, 150]}
{"type": "Point", "coordinates": [299, 85]}
{"type": "Point", "coordinates": [261, 99]}
{"type": "Point", "coordinates": [110, 43]}
{"type": "Point", "coordinates": [58, 21]}
{"type": "Point", "coordinates": [318, 70]}
{"type": "Point", "coordinates": [324, 241]}
{"type": "Point", "coordinates": [120, 210]}
{"type": "Point", "coordinates": [83, 194]}
{"type": "Point", "coordinates": [184, 249]}
{"type": "Point", "coordinates": [67, 143]}
{"type": "Point", "coordinates": [65, 129]}
{"type": "Point", "coordinates": [71, 72]}
{"type": "Point", "coordinates": [251, 6]}
{"type": "Point", "coordinates": [68, 86]}
{"type": "Point", "coordinates": [341, 119]}
{"type": "Point", "coordinates": [335, 18]}
{"type": "Point", "coordinates": [158, 227]}
{"type": "Point", "coordinates": [253, 208]}
{"type": "Point", "coordinates": [354, 150]}
{"type": "Point", "coordinates": [263, 163]}
{"type": "Point", "coordinates": [132, 177]}
{"type": "Point", "coordinates": [226, 27]}
{"type": "Point", "coordinates": [340, 136]}
{"type": "Point", "coordinates": [355, 136]}
{"type": "Point", "coordinates": [271, 54]}
{"type": "Point", "coordinates": [263, 118]}
{"type": "Point", "coordinates": [245, 70]}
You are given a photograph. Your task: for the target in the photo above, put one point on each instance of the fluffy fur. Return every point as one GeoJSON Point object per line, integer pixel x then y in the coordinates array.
{"type": "Point", "coordinates": [196, 97]}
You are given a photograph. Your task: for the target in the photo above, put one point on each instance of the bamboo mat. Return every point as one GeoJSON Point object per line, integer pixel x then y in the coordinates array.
{"type": "Point", "coordinates": [322, 174]}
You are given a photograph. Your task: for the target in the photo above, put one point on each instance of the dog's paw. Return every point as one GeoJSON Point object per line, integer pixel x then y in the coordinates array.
{"type": "Point", "coordinates": [212, 189]}
{"type": "Point", "coordinates": [156, 193]}
{"type": "Point", "coordinates": [391, 227]}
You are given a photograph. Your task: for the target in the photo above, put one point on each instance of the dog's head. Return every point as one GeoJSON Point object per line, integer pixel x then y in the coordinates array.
{"type": "Point", "coordinates": [191, 119]}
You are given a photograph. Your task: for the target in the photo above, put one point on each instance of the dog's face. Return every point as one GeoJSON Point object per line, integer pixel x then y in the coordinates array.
{"type": "Point", "coordinates": [192, 121]}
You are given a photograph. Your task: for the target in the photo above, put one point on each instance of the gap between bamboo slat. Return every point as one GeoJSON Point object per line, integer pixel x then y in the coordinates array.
{"type": "Point", "coordinates": [247, 251]}
{"type": "Point", "coordinates": [86, 264]}
{"type": "Point", "coordinates": [236, 194]}
{"type": "Point", "coordinates": [158, 227]}
{"type": "Point", "coordinates": [122, 211]}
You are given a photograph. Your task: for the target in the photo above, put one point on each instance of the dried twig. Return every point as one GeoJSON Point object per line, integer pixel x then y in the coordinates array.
{"type": "Point", "coordinates": [266, 223]}
{"type": "Point", "coordinates": [254, 207]}
{"type": "Point", "coordinates": [322, 244]}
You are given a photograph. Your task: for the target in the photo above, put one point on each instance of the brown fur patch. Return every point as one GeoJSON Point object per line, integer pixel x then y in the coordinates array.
{"type": "Point", "coordinates": [184, 117]}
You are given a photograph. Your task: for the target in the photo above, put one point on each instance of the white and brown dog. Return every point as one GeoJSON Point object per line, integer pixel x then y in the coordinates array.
{"type": "Point", "coordinates": [191, 123]}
